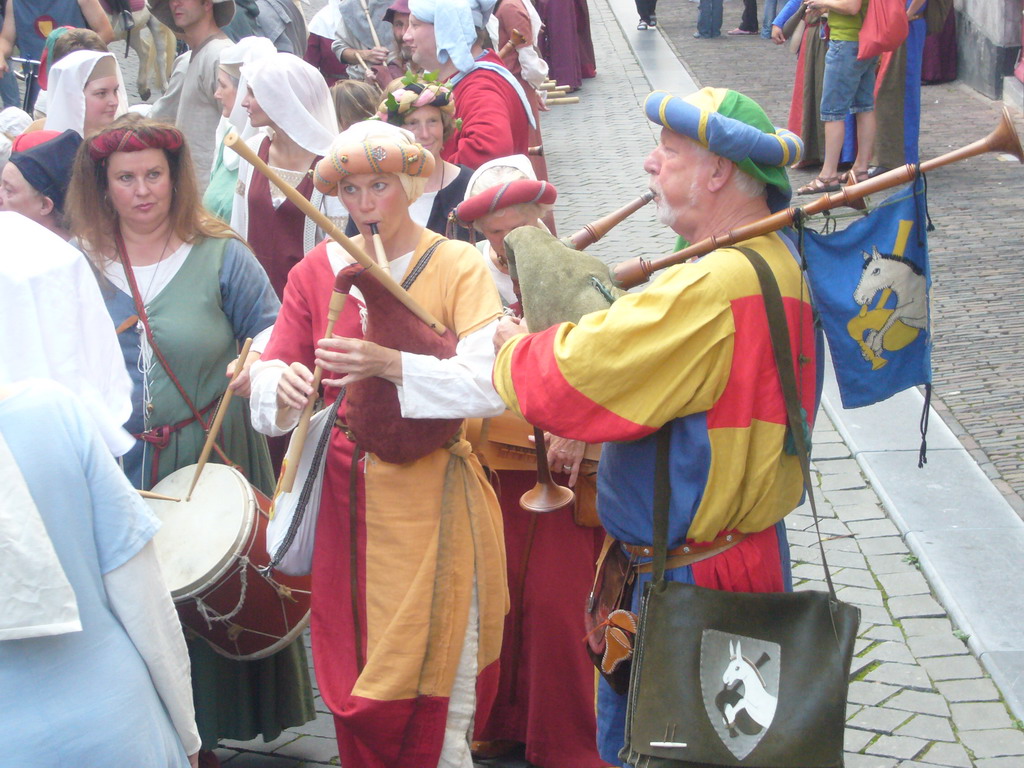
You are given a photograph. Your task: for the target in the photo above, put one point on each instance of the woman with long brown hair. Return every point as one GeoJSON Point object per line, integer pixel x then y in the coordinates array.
{"type": "Point", "coordinates": [183, 291]}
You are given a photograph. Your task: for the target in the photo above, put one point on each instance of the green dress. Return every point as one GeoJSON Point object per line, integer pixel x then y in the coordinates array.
{"type": "Point", "coordinates": [220, 193]}
{"type": "Point", "coordinates": [219, 296]}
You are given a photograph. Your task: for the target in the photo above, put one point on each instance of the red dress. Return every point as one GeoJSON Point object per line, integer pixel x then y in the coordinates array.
{"type": "Point", "coordinates": [546, 690]}
{"type": "Point", "coordinates": [319, 54]}
{"type": "Point", "coordinates": [494, 121]}
{"type": "Point", "coordinates": [512, 15]}
{"type": "Point", "coordinates": [275, 234]}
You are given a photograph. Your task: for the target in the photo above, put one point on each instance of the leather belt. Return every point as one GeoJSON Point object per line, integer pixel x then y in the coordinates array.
{"type": "Point", "coordinates": [685, 554]}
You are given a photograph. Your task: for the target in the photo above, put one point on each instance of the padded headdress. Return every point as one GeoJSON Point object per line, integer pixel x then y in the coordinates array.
{"type": "Point", "coordinates": [733, 126]}
{"type": "Point", "coordinates": [373, 146]}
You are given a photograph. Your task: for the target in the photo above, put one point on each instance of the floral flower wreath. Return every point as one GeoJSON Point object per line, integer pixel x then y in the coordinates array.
{"type": "Point", "coordinates": [417, 91]}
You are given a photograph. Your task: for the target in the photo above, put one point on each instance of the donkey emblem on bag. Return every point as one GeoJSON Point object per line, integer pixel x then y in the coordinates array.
{"type": "Point", "coordinates": [740, 694]}
{"type": "Point", "coordinates": [756, 702]}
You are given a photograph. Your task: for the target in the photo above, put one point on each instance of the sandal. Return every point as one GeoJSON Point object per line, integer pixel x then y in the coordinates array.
{"type": "Point", "coordinates": [819, 186]}
{"type": "Point", "coordinates": [853, 177]}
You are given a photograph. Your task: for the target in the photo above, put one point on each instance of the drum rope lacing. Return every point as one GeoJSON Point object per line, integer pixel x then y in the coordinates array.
{"type": "Point", "coordinates": [211, 614]}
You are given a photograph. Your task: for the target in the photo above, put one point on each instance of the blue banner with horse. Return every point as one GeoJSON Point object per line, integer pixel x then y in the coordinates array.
{"type": "Point", "coordinates": [870, 284]}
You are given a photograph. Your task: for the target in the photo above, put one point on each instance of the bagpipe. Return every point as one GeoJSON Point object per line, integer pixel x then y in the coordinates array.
{"type": "Point", "coordinates": [394, 320]}
{"type": "Point", "coordinates": [557, 282]}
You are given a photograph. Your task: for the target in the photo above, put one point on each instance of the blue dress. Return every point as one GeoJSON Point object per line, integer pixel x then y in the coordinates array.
{"type": "Point", "coordinates": [83, 698]}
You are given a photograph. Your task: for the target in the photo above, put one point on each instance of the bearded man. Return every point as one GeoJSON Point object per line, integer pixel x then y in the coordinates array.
{"type": "Point", "coordinates": [691, 352]}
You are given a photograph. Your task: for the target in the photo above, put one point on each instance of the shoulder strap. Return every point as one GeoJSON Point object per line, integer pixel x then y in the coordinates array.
{"type": "Point", "coordinates": [778, 329]}
{"type": "Point", "coordinates": [140, 308]}
{"type": "Point", "coordinates": [422, 263]}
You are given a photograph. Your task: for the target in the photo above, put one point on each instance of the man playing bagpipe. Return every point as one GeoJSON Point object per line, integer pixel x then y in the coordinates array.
{"type": "Point", "coordinates": [691, 351]}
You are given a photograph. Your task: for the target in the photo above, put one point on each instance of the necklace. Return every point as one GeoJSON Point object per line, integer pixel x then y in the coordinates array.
{"type": "Point", "coordinates": [146, 295]}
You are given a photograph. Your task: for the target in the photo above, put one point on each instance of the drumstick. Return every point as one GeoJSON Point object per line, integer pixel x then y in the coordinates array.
{"type": "Point", "coordinates": [234, 141]}
{"type": "Point", "coordinates": [369, 20]}
{"type": "Point", "coordinates": [378, 247]}
{"type": "Point", "coordinates": [155, 496]}
{"type": "Point", "coordinates": [290, 467]}
{"type": "Point", "coordinates": [218, 418]}
{"type": "Point", "coordinates": [128, 323]}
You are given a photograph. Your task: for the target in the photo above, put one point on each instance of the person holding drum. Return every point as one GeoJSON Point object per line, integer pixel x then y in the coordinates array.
{"type": "Point", "coordinates": [183, 291]}
{"type": "Point", "coordinates": [546, 690]}
{"type": "Point", "coordinates": [409, 587]}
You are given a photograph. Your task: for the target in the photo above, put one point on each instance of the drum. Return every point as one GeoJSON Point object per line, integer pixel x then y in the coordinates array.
{"type": "Point", "coordinates": [211, 549]}
{"type": "Point", "coordinates": [504, 442]}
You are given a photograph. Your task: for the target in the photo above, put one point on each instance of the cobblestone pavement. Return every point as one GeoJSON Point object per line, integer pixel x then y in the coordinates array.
{"type": "Point", "coordinates": [918, 697]}
{"type": "Point", "coordinates": [978, 345]}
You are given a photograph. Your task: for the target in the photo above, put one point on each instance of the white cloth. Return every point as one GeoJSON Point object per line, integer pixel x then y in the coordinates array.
{"type": "Point", "coordinates": [520, 163]}
{"type": "Point", "coordinates": [455, 25]}
{"type": "Point", "coordinates": [458, 726]}
{"type": "Point", "coordinates": [295, 97]}
{"type": "Point", "coordinates": [241, 53]}
{"type": "Point", "coordinates": [36, 598]}
{"type": "Point", "coordinates": [14, 121]}
{"type": "Point", "coordinates": [66, 86]}
{"type": "Point", "coordinates": [419, 210]}
{"type": "Point", "coordinates": [325, 22]}
{"type": "Point", "coordinates": [329, 205]}
{"type": "Point", "coordinates": [54, 325]}
{"type": "Point", "coordinates": [140, 599]}
{"type": "Point", "coordinates": [533, 69]}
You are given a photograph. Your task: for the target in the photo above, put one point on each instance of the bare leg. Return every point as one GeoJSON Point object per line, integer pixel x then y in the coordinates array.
{"type": "Point", "coordinates": [835, 133]}
{"type": "Point", "coordinates": [866, 127]}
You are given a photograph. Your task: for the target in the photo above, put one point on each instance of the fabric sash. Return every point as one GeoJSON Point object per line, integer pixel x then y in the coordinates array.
{"type": "Point", "coordinates": [508, 77]}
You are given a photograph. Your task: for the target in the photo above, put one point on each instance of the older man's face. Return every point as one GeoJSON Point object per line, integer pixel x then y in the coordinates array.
{"type": "Point", "coordinates": [678, 172]}
{"type": "Point", "coordinates": [420, 42]}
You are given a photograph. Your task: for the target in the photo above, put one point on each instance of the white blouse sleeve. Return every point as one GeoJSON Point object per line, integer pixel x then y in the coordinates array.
{"type": "Point", "coordinates": [458, 387]}
{"type": "Point", "coordinates": [264, 376]}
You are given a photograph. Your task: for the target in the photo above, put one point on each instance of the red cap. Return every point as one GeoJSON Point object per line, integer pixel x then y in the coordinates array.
{"type": "Point", "coordinates": [33, 139]}
{"type": "Point", "coordinates": [399, 6]}
{"type": "Point", "coordinates": [503, 196]}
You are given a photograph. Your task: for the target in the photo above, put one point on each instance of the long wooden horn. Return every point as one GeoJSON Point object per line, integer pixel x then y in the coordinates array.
{"type": "Point", "coordinates": [234, 141]}
{"type": "Point", "coordinates": [1003, 138]}
{"type": "Point", "coordinates": [594, 231]}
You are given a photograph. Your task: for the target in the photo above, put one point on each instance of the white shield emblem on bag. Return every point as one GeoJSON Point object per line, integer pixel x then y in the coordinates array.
{"type": "Point", "coordinates": [739, 680]}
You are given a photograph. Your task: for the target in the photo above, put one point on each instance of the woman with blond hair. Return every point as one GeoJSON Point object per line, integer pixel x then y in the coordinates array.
{"type": "Point", "coordinates": [408, 566]}
{"type": "Point", "coordinates": [185, 292]}
{"type": "Point", "coordinates": [427, 109]}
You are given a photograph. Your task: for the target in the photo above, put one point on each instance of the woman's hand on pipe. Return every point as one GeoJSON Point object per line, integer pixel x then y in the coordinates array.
{"type": "Point", "coordinates": [356, 359]}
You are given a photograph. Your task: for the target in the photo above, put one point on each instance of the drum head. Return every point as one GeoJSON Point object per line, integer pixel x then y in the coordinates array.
{"type": "Point", "coordinates": [199, 538]}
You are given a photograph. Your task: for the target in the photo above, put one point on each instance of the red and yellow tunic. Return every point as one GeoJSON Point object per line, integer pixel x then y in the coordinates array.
{"type": "Point", "coordinates": [416, 549]}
